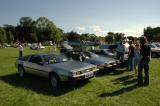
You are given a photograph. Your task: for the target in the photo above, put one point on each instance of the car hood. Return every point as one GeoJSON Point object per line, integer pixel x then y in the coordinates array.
{"type": "Point", "coordinates": [99, 60]}
{"type": "Point", "coordinates": [155, 49]}
{"type": "Point", "coordinates": [72, 66]}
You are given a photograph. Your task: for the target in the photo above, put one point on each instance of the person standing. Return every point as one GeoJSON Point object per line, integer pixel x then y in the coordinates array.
{"type": "Point", "coordinates": [120, 51]}
{"type": "Point", "coordinates": [20, 49]}
{"type": "Point", "coordinates": [145, 53]}
{"type": "Point", "coordinates": [137, 56]}
{"type": "Point", "coordinates": [130, 56]}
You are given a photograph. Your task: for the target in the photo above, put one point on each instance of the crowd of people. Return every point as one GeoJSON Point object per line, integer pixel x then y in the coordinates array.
{"type": "Point", "coordinates": [139, 54]}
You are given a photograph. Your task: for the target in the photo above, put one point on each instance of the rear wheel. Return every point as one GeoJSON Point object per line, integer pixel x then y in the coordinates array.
{"type": "Point", "coordinates": [21, 71]}
{"type": "Point", "coordinates": [54, 80]}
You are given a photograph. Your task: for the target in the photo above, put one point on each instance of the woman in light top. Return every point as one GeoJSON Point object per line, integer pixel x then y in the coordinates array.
{"type": "Point", "coordinates": [20, 49]}
{"type": "Point", "coordinates": [137, 56]}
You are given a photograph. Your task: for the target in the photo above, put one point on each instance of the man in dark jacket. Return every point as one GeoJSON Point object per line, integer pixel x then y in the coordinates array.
{"type": "Point", "coordinates": [145, 53]}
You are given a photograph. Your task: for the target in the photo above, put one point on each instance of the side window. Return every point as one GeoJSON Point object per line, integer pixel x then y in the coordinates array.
{"type": "Point", "coordinates": [26, 58]}
{"type": "Point", "coordinates": [35, 59]}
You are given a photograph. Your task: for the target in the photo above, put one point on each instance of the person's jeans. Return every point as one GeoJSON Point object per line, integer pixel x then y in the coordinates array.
{"type": "Point", "coordinates": [130, 63]}
{"type": "Point", "coordinates": [143, 65]}
{"type": "Point", "coordinates": [20, 53]}
{"type": "Point", "coordinates": [136, 62]}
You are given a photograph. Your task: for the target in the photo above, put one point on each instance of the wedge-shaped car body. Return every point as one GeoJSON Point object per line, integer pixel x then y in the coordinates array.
{"type": "Point", "coordinates": [55, 67]}
{"type": "Point", "coordinates": [92, 58]}
{"type": "Point", "coordinates": [107, 53]}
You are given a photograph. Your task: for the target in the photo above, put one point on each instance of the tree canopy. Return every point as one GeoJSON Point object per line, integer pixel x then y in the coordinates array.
{"type": "Point", "coordinates": [114, 37]}
{"type": "Point", "coordinates": [43, 29]}
{"type": "Point", "coordinates": [152, 34]}
{"type": "Point", "coordinates": [2, 35]}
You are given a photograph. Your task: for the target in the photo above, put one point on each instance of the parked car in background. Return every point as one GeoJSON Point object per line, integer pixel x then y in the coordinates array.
{"type": "Point", "coordinates": [56, 68]}
{"type": "Point", "coordinates": [14, 45]}
{"type": "Point", "coordinates": [113, 47]}
{"type": "Point", "coordinates": [107, 53]}
{"type": "Point", "coordinates": [35, 46]}
{"type": "Point", "coordinates": [155, 51]}
{"type": "Point", "coordinates": [6, 45]}
{"type": "Point", "coordinates": [156, 44]}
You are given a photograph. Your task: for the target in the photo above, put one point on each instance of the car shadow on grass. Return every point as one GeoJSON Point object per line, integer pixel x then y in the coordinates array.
{"type": "Point", "coordinates": [105, 72]}
{"type": "Point", "coordinates": [119, 92]}
{"type": "Point", "coordinates": [41, 85]}
{"type": "Point", "coordinates": [129, 83]}
{"type": "Point", "coordinates": [125, 80]}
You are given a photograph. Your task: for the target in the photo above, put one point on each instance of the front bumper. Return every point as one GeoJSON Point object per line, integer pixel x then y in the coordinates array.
{"type": "Point", "coordinates": [83, 76]}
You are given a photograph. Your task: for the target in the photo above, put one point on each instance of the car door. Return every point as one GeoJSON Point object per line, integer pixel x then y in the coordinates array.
{"type": "Point", "coordinates": [37, 66]}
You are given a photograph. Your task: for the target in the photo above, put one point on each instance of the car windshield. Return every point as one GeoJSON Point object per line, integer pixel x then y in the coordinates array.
{"type": "Point", "coordinates": [50, 59]}
{"type": "Point", "coordinates": [90, 54]}
{"type": "Point", "coordinates": [152, 46]}
{"type": "Point", "coordinates": [157, 45]}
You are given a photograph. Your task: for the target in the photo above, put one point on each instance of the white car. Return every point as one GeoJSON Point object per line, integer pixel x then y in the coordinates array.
{"type": "Point", "coordinates": [155, 51]}
{"type": "Point", "coordinates": [36, 46]}
{"type": "Point", "coordinates": [156, 44]}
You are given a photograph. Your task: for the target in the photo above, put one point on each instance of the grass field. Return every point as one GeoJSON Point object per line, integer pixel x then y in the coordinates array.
{"type": "Point", "coordinates": [117, 88]}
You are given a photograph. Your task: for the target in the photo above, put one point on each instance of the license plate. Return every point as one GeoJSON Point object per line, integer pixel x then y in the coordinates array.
{"type": "Point", "coordinates": [88, 75]}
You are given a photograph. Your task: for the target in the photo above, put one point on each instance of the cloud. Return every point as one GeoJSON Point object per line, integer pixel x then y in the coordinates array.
{"type": "Point", "coordinates": [98, 30]}
{"type": "Point", "coordinates": [101, 31]}
{"type": "Point", "coordinates": [80, 29]}
{"type": "Point", "coordinates": [136, 32]}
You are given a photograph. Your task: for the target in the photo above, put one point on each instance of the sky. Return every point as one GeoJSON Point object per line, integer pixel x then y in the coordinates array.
{"type": "Point", "coordinates": [86, 16]}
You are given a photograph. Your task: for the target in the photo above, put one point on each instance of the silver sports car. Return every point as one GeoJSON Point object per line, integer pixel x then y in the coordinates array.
{"type": "Point", "coordinates": [55, 67]}
{"type": "Point", "coordinates": [92, 58]}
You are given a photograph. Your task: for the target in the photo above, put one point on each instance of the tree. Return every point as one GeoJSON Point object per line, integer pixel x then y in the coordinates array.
{"type": "Point", "coordinates": [118, 36]}
{"type": "Point", "coordinates": [33, 38]}
{"type": "Point", "coordinates": [25, 29]}
{"type": "Point", "coordinates": [94, 38]}
{"type": "Point", "coordinates": [10, 37]}
{"type": "Point", "coordinates": [152, 34]}
{"type": "Point", "coordinates": [148, 33]}
{"type": "Point", "coordinates": [2, 35]}
{"type": "Point", "coordinates": [131, 38]}
{"type": "Point", "coordinates": [47, 30]}
{"type": "Point", "coordinates": [109, 39]}
{"type": "Point", "coordinates": [58, 36]}
{"type": "Point", "coordinates": [84, 37]}
{"type": "Point", "coordinates": [73, 36]}
{"type": "Point", "coordinates": [11, 33]}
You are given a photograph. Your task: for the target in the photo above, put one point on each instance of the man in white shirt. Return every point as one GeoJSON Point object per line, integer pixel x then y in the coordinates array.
{"type": "Point", "coordinates": [120, 51]}
{"type": "Point", "coordinates": [20, 49]}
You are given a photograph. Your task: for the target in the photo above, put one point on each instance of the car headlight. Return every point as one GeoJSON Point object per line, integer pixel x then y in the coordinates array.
{"type": "Point", "coordinates": [101, 65]}
{"type": "Point", "coordinates": [78, 72]}
{"type": "Point", "coordinates": [95, 69]}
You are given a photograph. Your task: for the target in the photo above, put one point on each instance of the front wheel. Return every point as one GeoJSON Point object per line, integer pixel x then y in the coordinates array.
{"type": "Point", "coordinates": [153, 55]}
{"type": "Point", "coordinates": [54, 80]}
{"type": "Point", "coordinates": [21, 71]}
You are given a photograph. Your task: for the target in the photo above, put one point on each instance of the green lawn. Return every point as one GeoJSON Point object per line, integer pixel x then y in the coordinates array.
{"type": "Point", "coordinates": [107, 89]}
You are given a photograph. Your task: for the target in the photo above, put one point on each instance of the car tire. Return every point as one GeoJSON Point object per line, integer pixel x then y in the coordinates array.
{"type": "Point", "coordinates": [153, 55]}
{"type": "Point", "coordinates": [21, 71]}
{"type": "Point", "coordinates": [54, 81]}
